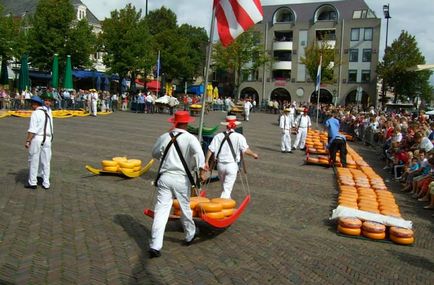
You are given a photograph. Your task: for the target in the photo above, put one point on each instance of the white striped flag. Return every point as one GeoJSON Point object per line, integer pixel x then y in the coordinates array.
{"type": "Point", "coordinates": [235, 17]}
{"type": "Point", "coordinates": [318, 76]}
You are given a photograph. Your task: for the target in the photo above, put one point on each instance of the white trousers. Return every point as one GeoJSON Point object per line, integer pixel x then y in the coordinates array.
{"type": "Point", "coordinates": [227, 173]}
{"type": "Point", "coordinates": [286, 141]}
{"type": "Point", "coordinates": [300, 140]}
{"type": "Point", "coordinates": [94, 107]}
{"type": "Point", "coordinates": [39, 160]}
{"type": "Point", "coordinates": [247, 114]}
{"type": "Point", "coordinates": [171, 186]}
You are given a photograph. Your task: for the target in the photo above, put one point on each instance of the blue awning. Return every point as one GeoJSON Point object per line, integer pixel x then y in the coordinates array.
{"type": "Point", "coordinates": [93, 74]}
{"type": "Point", "coordinates": [39, 75]}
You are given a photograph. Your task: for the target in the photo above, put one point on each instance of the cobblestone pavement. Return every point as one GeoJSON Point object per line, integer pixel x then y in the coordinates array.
{"type": "Point", "coordinates": [91, 229]}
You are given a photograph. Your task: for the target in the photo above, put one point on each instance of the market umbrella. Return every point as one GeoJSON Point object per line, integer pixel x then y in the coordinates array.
{"type": "Point", "coordinates": [24, 79]}
{"type": "Point", "coordinates": [67, 80]}
{"type": "Point", "coordinates": [107, 84]}
{"type": "Point", "coordinates": [98, 83]}
{"type": "Point", "coordinates": [4, 78]}
{"type": "Point", "coordinates": [55, 72]}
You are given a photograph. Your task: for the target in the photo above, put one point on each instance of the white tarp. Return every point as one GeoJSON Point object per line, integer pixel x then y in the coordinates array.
{"type": "Point", "coordinates": [168, 100]}
{"type": "Point", "coordinates": [341, 212]}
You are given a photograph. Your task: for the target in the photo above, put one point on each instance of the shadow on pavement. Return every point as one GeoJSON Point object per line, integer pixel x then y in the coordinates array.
{"type": "Point", "coordinates": [20, 176]}
{"type": "Point", "coordinates": [414, 260]}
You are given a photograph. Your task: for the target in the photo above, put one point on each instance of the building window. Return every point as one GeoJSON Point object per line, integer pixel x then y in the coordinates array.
{"type": "Point", "coordinates": [366, 76]}
{"type": "Point", "coordinates": [355, 34]}
{"type": "Point", "coordinates": [284, 15]}
{"type": "Point", "coordinates": [353, 55]}
{"type": "Point", "coordinates": [367, 34]}
{"type": "Point", "coordinates": [352, 76]}
{"type": "Point", "coordinates": [367, 54]}
{"type": "Point", "coordinates": [281, 75]}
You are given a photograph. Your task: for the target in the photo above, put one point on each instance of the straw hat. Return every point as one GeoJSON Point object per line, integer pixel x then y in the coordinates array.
{"type": "Point", "coordinates": [305, 110]}
{"type": "Point", "coordinates": [231, 122]}
{"type": "Point", "coordinates": [286, 110]}
{"type": "Point", "coordinates": [182, 117]}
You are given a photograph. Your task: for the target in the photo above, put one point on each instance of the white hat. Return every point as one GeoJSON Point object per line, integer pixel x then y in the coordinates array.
{"type": "Point", "coordinates": [231, 120]}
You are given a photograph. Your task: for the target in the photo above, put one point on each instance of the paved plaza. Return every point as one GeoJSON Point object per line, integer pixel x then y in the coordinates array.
{"type": "Point", "coordinates": [91, 229]}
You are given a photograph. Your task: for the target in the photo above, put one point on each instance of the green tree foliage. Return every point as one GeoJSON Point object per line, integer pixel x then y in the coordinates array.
{"type": "Point", "coordinates": [11, 35]}
{"type": "Point", "coordinates": [243, 54]}
{"type": "Point", "coordinates": [81, 44]}
{"type": "Point", "coordinates": [401, 55]}
{"type": "Point", "coordinates": [182, 48]}
{"type": "Point", "coordinates": [311, 59]}
{"type": "Point", "coordinates": [126, 40]}
{"type": "Point", "coordinates": [54, 30]}
{"type": "Point", "coordinates": [161, 20]}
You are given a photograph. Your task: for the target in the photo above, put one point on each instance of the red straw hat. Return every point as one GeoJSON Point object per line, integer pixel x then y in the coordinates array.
{"type": "Point", "coordinates": [306, 110]}
{"type": "Point", "coordinates": [182, 117]}
{"type": "Point", "coordinates": [231, 122]}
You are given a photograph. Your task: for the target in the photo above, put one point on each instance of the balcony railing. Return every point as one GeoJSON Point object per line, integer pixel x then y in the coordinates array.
{"type": "Point", "coordinates": [282, 45]}
{"type": "Point", "coordinates": [282, 65]}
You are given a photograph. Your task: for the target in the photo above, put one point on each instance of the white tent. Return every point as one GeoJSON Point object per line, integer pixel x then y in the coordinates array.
{"type": "Point", "coordinates": [420, 67]}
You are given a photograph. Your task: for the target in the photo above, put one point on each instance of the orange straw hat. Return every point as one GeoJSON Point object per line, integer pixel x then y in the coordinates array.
{"type": "Point", "coordinates": [181, 117]}
{"type": "Point", "coordinates": [231, 122]}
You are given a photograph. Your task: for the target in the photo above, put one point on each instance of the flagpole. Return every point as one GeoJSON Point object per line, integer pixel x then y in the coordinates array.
{"type": "Point", "coordinates": [318, 88]}
{"type": "Point", "coordinates": [158, 71]}
{"type": "Point", "coordinates": [208, 61]}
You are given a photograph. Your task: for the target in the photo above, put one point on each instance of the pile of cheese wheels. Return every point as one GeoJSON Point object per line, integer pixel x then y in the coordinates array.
{"type": "Point", "coordinates": [215, 208]}
{"type": "Point", "coordinates": [315, 141]}
{"type": "Point", "coordinates": [373, 230]}
{"type": "Point", "coordinates": [121, 163]}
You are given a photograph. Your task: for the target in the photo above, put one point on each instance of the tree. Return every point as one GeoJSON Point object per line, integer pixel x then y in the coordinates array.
{"type": "Point", "coordinates": [401, 55]}
{"type": "Point", "coordinates": [311, 59]}
{"type": "Point", "coordinates": [243, 54]}
{"type": "Point", "coordinates": [48, 35]}
{"type": "Point", "coordinates": [11, 35]}
{"type": "Point", "coordinates": [126, 39]}
{"type": "Point", "coordinates": [182, 49]}
{"type": "Point", "coordinates": [81, 44]}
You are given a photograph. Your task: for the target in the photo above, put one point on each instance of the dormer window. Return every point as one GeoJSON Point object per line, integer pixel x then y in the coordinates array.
{"type": "Point", "coordinates": [283, 15]}
{"type": "Point", "coordinates": [326, 13]}
{"type": "Point", "coordinates": [81, 13]}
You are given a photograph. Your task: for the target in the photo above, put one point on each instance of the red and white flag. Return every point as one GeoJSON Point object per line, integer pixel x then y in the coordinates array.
{"type": "Point", "coordinates": [235, 17]}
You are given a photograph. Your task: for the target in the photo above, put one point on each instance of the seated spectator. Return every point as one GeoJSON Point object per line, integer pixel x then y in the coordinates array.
{"type": "Point", "coordinates": [429, 197]}
{"type": "Point", "coordinates": [423, 163]}
{"type": "Point", "coordinates": [400, 160]}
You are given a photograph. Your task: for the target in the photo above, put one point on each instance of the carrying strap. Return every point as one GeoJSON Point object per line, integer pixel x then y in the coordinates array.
{"type": "Point", "coordinates": [227, 134]}
{"type": "Point", "coordinates": [47, 118]}
{"type": "Point", "coordinates": [181, 157]}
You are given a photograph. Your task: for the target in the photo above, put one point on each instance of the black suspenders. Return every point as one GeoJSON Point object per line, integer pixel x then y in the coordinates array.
{"type": "Point", "coordinates": [181, 157]}
{"type": "Point", "coordinates": [47, 118]}
{"type": "Point", "coordinates": [230, 146]}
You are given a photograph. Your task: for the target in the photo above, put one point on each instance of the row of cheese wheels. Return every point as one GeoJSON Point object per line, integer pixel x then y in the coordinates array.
{"type": "Point", "coordinates": [121, 163]}
{"type": "Point", "coordinates": [355, 227]}
{"type": "Point", "coordinates": [215, 208]}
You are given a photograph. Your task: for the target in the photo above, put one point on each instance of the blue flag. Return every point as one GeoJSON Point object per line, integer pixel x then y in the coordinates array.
{"type": "Point", "coordinates": [318, 76]}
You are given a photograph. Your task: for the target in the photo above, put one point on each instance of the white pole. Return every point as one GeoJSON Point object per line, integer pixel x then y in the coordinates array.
{"type": "Point", "coordinates": [208, 61]}
{"type": "Point", "coordinates": [158, 71]}
{"type": "Point", "coordinates": [318, 89]}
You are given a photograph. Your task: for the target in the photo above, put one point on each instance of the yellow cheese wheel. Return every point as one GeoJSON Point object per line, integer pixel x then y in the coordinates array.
{"type": "Point", "coordinates": [349, 231]}
{"type": "Point", "coordinates": [126, 170]}
{"type": "Point", "coordinates": [371, 235]}
{"type": "Point", "coordinates": [135, 162]}
{"type": "Point", "coordinates": [209, 207]}
{"type": "Point", "coordinates": [110, 168]}
{"type": "Point", "coordinates": [226, 203]}
{"type": "Point", "coordinates": [401, 240]}
{"type": "Point", "coordinates": [373, 227]}
{"type": "Point", "coordinates": [215, 215]}
{"type": "Point", "coordinates": [126, 164]}
{"type": "Point", "coordinates": [401, 232]}
{"type": "Point", "coordinates": [352, 223]}
{"type": "Point", "coordinates": [228, 212]}
{"type": "Point", "coordinates": [109, 163]}
{"type": "Point", "coordinates": [119, 158]}
{"type": "Point", "coordinates": [137, 168]}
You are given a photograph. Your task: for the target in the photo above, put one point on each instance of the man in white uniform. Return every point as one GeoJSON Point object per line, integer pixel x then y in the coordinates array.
{"type": "Point", "coordinates": [247, 106]}
{"type": "Point", "coordinates": [38, 141]}
{"type": "Point", "coordinates": [227, 148]}
{"type": "Point", "coordinates": [94, 101]}
{"type": "Point", "coordinates": [285, 124]}
{"type": "Point", "coordinates": [177, 150]}
{"type": "Point", "coordinates": [302, 125]}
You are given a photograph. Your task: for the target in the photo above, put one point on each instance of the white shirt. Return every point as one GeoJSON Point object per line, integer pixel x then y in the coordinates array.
{"type": "Point", "coordinates": [303, 121]}
{"type": "Point", "coordinates": [37, 122]}
{"type": "Point", "coordinates": [238, 141]}
{"type": "Point", "coordinates": [190, 149]}
{"type": "Point", "coordinates": [426, 144]}
{"type": "Point", "coordinates": [248, 105]}
{"type": "Point", "coordinates": [286, 122]}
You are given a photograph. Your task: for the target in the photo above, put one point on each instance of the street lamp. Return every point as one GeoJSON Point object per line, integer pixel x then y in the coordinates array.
{"type": "Point", "coordinates": [386, 12]}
